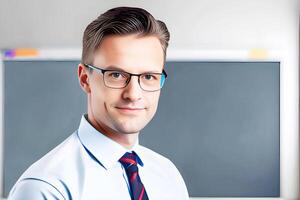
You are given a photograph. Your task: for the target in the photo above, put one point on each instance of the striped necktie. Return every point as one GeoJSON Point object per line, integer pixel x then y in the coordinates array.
{"type": "Point", "coordinates": [138, 192]}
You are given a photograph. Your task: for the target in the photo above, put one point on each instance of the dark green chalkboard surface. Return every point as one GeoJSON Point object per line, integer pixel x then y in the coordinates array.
{"type": "Point", "coordinates": [217, 121]}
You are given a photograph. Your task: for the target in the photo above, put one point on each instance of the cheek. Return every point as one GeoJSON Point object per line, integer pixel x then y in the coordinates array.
{"type": "Point", "coordinates": [103, 99]}
{"type": "Point", "coordinates": [99, 97]}
{"type": "Point", "coordinates": [153, 101]}
{"type": "Point", "coordinates": [97, 103]}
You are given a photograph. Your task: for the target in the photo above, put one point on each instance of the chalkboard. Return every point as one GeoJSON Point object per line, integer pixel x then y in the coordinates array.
{"type": "Point", "coordinates": [217, 121]}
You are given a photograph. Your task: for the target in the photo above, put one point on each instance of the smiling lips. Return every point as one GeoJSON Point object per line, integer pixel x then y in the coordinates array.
{"type": "Point", "coordinates": [129, 109]}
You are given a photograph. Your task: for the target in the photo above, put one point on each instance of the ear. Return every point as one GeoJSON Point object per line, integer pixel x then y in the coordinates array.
{"type": "Point", "coordinates": [83, 77]}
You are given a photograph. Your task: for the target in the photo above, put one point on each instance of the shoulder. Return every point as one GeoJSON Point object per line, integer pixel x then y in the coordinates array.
{"type": "Point", "coordinates": [35, 189]}
{"type": "Point", "coordinates": [57, 159]}
{"type": "Point", "coordinates": [159, 163]}
{"type": "Point", "coordinates": [150, 156]}
{"type": "Point", "coordinates": [57, 169]}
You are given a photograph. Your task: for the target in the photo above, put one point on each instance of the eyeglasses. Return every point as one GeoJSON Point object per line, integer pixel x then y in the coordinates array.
{"type": "Point", "coordinates": [116, 79]}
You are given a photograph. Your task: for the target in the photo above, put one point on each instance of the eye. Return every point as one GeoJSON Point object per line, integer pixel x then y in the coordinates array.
{"type": "Point", "coordinates": [149, 77]}
{"type": "Point", "coordinates": [116, 75]}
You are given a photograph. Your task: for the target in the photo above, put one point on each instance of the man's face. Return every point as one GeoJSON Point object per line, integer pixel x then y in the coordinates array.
{"type": "Point", "coordinates": [126, 110]}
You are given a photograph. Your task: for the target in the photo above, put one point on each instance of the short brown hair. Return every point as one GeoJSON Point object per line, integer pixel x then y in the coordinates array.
{"type": "Point", "coordinates": [122, 21]}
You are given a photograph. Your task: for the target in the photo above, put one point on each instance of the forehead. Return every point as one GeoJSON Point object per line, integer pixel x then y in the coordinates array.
{"type": "Point", "coordinates": [131, 53]}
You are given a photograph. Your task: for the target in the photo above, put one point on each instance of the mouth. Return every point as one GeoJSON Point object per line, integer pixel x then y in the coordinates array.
{"type": "Point", "coordinates": [130, 109]}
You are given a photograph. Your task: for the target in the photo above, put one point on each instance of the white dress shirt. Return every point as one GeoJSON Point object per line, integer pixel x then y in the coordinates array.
{"type": "Point", "coordinates": [86, 167]}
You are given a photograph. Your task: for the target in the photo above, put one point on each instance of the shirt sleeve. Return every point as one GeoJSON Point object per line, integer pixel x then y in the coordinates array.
{"type": "Point", "coordinates": [34, 189]}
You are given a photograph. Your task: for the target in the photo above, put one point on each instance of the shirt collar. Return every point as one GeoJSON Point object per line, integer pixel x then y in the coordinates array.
{"type": "Point", "coordinates": [105, 150]}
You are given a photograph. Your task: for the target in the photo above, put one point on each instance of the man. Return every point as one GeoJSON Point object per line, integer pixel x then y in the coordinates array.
{"type": "Point", "coordinates": [121, 72]}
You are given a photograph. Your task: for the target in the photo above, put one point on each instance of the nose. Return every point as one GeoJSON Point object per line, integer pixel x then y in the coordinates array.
{"type": "Point", "coordinates": [133, 91]}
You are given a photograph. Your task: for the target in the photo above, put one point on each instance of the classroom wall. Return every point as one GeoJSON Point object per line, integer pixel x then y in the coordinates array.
{"type": "Point", "coordinates": [194, 24]}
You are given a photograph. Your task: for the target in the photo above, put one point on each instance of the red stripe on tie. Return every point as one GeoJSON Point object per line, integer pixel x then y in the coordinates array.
{"type": "Point", "coordinates": [133, 176]}
{"type": "Point", "coordinates": [142, 194]}
{"type": "Point", "coordinates": [138, 191]}
{"type": "Point", "coordinates": [128, 160]}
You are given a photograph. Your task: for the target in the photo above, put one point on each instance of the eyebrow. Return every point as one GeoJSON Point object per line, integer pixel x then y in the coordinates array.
{"type": "Point", "coordinates": [114, 67]}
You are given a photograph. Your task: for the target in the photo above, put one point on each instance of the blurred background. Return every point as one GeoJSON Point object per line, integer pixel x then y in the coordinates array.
{"type": "Point", "coordinates": [193, 24]}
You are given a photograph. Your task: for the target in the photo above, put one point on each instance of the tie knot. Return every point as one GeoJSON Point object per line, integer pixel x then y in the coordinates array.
{"type": "Point", "coordinates": [128, 160]}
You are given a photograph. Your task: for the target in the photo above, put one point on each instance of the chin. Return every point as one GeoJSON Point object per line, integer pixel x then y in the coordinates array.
{"type": "Point", "coordinates": [129, 124]}
{"type": "Point", "coordinates": [129, 128]}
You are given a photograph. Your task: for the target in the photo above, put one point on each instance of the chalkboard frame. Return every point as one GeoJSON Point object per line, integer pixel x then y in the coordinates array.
{"type": "Point", "coordinates": [289, 184]}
